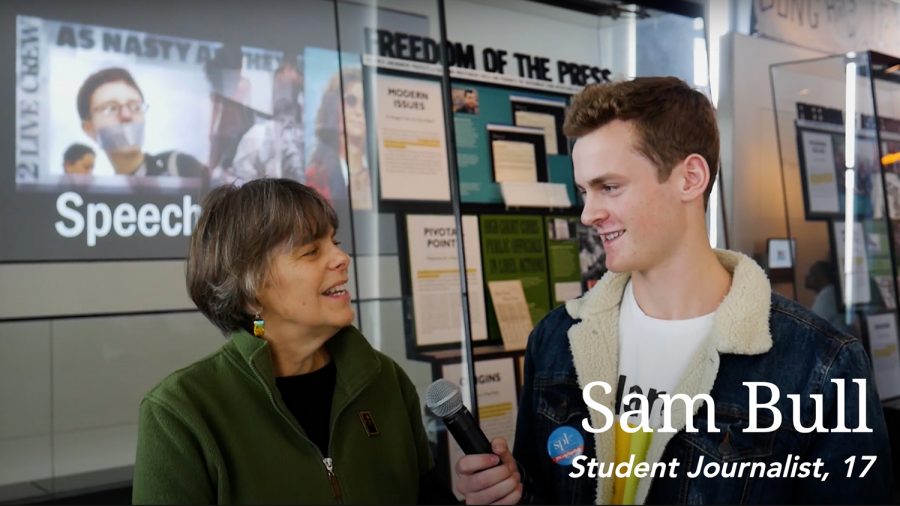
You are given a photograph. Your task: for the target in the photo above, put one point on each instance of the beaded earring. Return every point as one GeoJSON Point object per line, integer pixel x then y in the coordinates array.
{"type": "Point", "coordinates": [259, 326]}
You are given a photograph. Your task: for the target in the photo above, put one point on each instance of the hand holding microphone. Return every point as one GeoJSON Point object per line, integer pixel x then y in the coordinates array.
{"type": "Point", "coordinates": [444, 400]}
{"type": "Point", "coordinates": [488, 474]}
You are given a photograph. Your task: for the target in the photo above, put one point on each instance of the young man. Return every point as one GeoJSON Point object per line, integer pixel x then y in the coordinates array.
{"type": "Point", "coordinates": [78, 159]}
{"type": "Point", "coordinates": [112, 109]}
{"type": "Point", "coordinates": [470, 102]}
{"type": "Point", "coordinates": [673, 316]}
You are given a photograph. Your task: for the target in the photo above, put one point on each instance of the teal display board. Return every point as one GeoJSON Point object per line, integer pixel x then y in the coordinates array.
{"type": "Point", "coordinates": [476, 183]}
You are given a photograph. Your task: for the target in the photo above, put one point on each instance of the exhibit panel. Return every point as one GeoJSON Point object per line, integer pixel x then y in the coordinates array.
{"type": "Point", "coordinates": [839, 135]}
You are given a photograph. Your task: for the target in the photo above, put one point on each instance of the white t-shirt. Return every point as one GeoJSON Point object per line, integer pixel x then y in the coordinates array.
{"type": "Point", "coordinates": [654, 354]}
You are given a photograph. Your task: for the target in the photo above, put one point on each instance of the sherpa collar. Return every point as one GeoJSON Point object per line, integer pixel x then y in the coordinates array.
{"type": "Point", "coordinates": [740, 326]}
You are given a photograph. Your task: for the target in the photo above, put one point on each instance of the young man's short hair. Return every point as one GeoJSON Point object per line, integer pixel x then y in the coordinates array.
{"type": "Point", "coordinates": [98, 79]}
{"type": "Point", "coordinates": [671, 120]}
{"type": "Point", "coordinates": [76, 152]}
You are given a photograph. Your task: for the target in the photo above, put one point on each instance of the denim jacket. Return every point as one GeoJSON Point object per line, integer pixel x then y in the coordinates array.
{"type": "Point", "coordinates": [757, 336]}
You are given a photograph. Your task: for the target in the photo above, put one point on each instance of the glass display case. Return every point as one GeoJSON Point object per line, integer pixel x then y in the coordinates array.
{"type": "Point", "coordinates": [476, 144]}
{"type": "Point", "coordinates": [838, 123]}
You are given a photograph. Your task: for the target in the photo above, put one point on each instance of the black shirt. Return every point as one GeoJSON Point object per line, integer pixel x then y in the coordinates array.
{"type": "Point", "coordinates": [308, 397]}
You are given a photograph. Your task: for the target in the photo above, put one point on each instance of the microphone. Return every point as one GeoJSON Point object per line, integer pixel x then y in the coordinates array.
{"type": "Point", "coordinates": [444, 400]}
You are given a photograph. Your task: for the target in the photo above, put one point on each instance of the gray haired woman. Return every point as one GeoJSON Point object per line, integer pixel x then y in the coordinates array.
{"type": "Point", "coordinates": [296, 407]}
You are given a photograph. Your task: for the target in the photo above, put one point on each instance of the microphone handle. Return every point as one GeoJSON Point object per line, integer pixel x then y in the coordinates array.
{"type": "Point", "coordinates": [467, 433]}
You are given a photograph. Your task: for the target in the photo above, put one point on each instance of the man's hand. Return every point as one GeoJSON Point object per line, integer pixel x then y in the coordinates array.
{"type": "Point", "coordinates": [482, 481]}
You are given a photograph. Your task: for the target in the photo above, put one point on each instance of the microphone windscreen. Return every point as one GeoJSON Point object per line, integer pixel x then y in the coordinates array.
{"type": "Point", "coordinates": [443, 398]}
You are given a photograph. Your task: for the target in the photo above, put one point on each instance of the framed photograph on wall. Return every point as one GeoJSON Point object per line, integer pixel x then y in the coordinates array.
{"type": "Point", "coordinates": [781, 253]}
{"type": "Point", "coordinates": [780, 256]}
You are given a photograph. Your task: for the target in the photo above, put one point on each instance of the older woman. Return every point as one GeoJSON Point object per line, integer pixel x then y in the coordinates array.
{"type": "Point", "coordinates": [296, 407]}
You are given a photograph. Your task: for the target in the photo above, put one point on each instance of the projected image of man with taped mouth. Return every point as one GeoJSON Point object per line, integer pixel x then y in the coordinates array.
{"type": "Point", "coordinates": [113, 111]}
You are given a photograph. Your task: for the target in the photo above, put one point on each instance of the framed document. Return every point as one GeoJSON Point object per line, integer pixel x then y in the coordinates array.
{"type": "Point", "coordinates": [517, 154]}
{"type": "Point", "coordinates": [511, 310]}
{"type": "Point", "coordinates": [548, 115]}
{"type": "Point", "coordinates": [881, 330]}
{"type": "Point", "coordinates": [821, 176]}
{"type": "Point", "coordinates": [853, 276]}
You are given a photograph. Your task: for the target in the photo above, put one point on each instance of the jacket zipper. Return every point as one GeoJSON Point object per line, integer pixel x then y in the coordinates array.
{"type": "Point", "coordinates": [329, 463]}
{"type": "Point", "coordinates": [335, 484]}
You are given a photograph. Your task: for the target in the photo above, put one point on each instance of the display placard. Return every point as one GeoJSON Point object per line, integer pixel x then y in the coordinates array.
{"type": "Point", "coordinates": [853, 272]}
{"type": "Point", "coordinates": [881, 330]}
{"type": "Point", "coordinates": [434, 274]}
{"type": "Point", "coordinates": [497, 401]}
{"type": "Point", "coordinates": [412, 151]}
{"type": "Point", "coordinates": [824, 174]}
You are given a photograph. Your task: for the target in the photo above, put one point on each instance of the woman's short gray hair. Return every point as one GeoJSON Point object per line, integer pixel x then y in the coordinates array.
{"type": "Point", "coordinates": [237, 233]}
